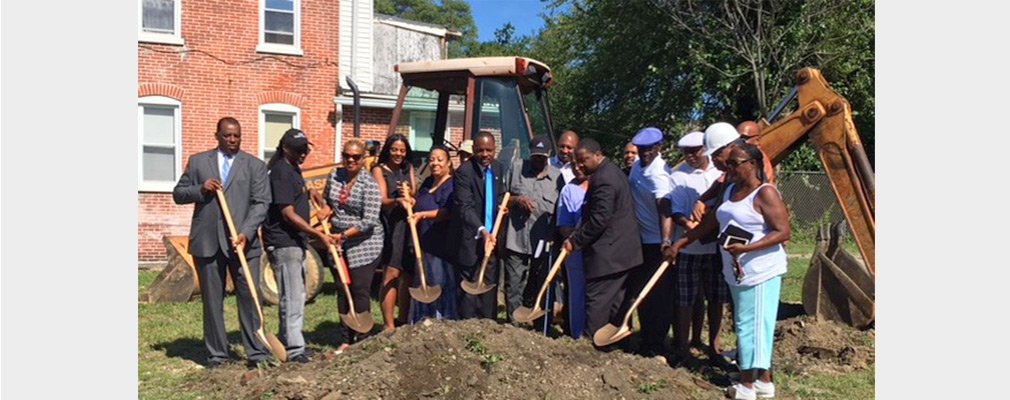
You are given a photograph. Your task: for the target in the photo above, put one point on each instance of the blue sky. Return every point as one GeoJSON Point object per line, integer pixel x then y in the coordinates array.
{"type": "Point", "coordinates": [489, 15]}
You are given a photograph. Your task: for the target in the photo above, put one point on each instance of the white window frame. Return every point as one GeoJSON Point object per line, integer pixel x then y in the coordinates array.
{"type": "Point", "coordinates": [275, 48]}
{"type": "Point", "coordinates": [174, 38]}
{"type": "Point", "coordinates": [279, 108]}
{"type": "Point", "coordinates": [158, 186]}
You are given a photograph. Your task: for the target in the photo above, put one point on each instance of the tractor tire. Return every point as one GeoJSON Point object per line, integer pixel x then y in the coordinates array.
{"type": "Point", "coordinates": [270, 292]}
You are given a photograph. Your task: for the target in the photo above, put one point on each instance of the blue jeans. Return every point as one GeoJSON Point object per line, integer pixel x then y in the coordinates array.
{"type": "Point", "coordinates": [289, 270]}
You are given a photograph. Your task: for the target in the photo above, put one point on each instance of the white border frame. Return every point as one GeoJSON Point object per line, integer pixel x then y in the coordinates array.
{"type": "Point", "coordinates": [274, 48]}
{"type": "Point", "coordinates": [158, 186]}
{"type": "Point", "coordinates": [279, 108]}
{"type": "Point", "coordinates": [160, 38]}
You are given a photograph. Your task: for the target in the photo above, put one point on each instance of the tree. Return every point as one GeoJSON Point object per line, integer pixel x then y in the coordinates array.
{"type": "Point", "coordinates": [453, 14]}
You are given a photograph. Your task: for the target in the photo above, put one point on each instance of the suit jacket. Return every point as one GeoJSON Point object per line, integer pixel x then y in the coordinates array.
{"type": "Point", "coordinates": [468, 209]}
{"type": "Point", "coordinates": [608, 231]}
{"type": "Point", "coordinates": [247, 191]}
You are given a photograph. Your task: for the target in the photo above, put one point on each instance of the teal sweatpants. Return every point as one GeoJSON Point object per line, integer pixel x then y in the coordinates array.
{"type": "Point", "coordinates": [755, 309]}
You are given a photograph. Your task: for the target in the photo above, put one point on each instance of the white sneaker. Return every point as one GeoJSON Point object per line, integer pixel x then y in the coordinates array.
{"type": "Point", "coordinates": [740, 392]}
{"type": "Point", "coordinates": [764, 390]}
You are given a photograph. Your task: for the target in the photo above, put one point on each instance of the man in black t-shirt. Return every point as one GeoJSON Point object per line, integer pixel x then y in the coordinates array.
{"type": "Point", "coordinates": [284, 234]}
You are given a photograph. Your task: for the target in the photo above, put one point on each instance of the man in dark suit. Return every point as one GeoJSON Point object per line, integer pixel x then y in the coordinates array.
{"type": "Point", "coordinates": [243, 178]}
{"type": "Point", "coordinates": [607, 234]}
{"type": "Point", "coordinates": [472, 221]}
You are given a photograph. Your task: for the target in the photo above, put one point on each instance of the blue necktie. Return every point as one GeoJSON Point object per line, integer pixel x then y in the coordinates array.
{"type": "Point", "coordinates": [225, 169]}
{"type": "Point", "coordinates": [488, 199]}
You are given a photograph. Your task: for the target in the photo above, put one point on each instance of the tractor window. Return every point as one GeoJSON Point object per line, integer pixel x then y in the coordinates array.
{"type": "Point", "coordinates": [500, 113]}
{"type": "Point", "coordinates": [538, 122]}
{"type": "Point", "coordinates": [417, 121]}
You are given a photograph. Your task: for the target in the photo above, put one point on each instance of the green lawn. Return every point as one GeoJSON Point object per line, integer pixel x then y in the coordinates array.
{"type": "Point", "coordinates": [170, 345]}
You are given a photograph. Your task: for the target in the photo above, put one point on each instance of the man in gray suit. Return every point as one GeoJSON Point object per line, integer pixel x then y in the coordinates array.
{"type": "Point", "coordinates": [243, 178]}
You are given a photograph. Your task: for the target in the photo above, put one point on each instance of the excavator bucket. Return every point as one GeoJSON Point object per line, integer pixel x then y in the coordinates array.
{"type": "Point", "coordinates": [837, 286]}
{"type": "Point", "coordinates": [177, 283]}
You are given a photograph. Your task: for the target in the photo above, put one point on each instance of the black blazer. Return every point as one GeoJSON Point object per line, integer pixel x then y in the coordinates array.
{"type": "Point", "coordinates": [468, 209]}
{"type": "Point", "coordinates": [608, 232]}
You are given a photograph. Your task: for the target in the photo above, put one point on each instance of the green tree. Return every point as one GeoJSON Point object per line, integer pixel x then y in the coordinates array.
{"type": "Point", "coordinates": [453, 14]}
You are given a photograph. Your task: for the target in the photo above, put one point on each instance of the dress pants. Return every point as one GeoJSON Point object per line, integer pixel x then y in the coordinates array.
{"type": "Point", "coordinates": [604, 300]}
{"type": "Point", "coordinates": [655, 313]}
{"type": "Point", "coordinates": [361, 285]}
{"type": "Point", "coordinates": [483, 305]}
{"type": "Point", "coordinates": [212, 272]}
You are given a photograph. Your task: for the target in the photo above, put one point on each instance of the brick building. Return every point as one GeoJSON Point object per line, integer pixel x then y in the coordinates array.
{"type": "Point", "coordinates": [271, 64]}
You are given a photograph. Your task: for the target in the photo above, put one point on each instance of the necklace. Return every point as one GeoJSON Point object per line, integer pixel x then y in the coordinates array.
{"type": "Point", "coordinates": [345, 191]}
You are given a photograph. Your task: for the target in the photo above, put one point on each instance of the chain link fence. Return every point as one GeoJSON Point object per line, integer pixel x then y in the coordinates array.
{"type": "Point", "coordinates": [808, 197]}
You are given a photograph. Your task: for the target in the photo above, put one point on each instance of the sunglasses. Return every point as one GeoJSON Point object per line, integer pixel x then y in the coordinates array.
{"type": "Point", "coordinates": [737, 163]}
{"type": "Point", "coordinates": [690, 150]}
{"type": "Point", "coordinates": [351, 157]}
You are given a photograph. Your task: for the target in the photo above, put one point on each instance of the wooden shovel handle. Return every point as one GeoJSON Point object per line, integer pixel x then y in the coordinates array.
{"type": "Point", "coordinates": [240, 250]}
{"type": "Point", "coordinates": [550, 275]}
{"type": "Point", "coordinates": [337, 259]}
{"type": "Point", "coordinates": [645, 290]}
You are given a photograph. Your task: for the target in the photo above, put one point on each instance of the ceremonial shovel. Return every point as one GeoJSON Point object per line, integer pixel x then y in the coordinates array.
{"type": "Point", "coordinates": [269, 340]}
{"type": "Point", "coordinates": [361, 322]}
{"type": "Point", "coordinates": [524, 314]}
{"type": "Point", "coordinates": [479, 287]}
{"type": "Point", "coordinates": [611, 334]}
{"type": "Point", "coordinates": [425, 294]}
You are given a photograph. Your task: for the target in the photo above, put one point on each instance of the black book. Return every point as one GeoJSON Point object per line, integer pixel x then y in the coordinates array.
{"type": "Point", "coordinates": [734, 234]}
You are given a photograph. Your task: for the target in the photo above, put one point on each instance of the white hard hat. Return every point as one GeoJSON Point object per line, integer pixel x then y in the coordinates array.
{"type": "Point", "coordinates": [718, 135]}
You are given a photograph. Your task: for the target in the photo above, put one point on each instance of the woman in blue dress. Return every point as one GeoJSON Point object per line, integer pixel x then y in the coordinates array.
{"type": "Point", "coordinates": [573, 195]}
{"type": "Point", "coordinates": [431, 213]}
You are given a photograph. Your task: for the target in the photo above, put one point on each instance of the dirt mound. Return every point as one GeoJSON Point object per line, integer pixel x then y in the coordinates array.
{"type": "Point", "coordinates": [462, 360]}
{"type": "Point", "coordinates": [804, 345]}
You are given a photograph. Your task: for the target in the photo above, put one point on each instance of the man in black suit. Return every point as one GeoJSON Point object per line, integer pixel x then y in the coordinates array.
{"type": "Point", "coordinates": [607, 234]}
{"type": "Point", "coordinates": [243, 178]}
{"type": "Point", "coordinates": [472, 221]}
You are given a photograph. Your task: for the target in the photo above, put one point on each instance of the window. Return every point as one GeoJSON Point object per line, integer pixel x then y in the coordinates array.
{"type": "Point", "coordinates": [275, 119]}
{"type": "Point", "coordinates": [159, 151]}
{"type": "Point", "coordinates": [160, 22]}
{"type": "Point", "coordinates": [280, 27]}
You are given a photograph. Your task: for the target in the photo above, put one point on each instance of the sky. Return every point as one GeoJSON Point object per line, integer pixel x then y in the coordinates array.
{"type": "Point", "coordinates": [490, 15]}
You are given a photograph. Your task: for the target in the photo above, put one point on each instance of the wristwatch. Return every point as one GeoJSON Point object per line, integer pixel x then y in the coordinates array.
{"type": "Point", "coordinates": [666, 242]}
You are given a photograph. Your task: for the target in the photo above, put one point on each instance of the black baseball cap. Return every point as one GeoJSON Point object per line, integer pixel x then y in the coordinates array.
{"type": "Point", "coordinates": [295, 140]}
{"type": "Point", "coordinates": [539, 146]}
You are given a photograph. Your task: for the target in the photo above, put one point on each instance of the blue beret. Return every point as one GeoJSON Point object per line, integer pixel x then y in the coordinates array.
{"type": "Point", "coordinates": [647, 137]}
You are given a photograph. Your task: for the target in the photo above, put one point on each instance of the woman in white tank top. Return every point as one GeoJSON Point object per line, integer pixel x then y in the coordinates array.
{"type": "Point", "coordinates": [754, 270]}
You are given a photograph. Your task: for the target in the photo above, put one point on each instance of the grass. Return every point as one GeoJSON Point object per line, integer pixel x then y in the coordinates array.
{"type": "Point", "coordinates": [170, 343]}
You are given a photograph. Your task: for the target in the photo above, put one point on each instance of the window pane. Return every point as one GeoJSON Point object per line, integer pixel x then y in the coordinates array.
{"type": "Point", "coordinates": [159, 16]}
{"type": "Point", "coordinates": [287, 5]}
{"type": "Point", "coordinates": [159, 125]}
{"type": "Point", "coordinates": [280, 38]}
{"type": "Point", "coordinates": [276, 125]}
{"type": "Point", "coordinates": [280, 22]}
{"type": "Point", "coordinates": [501, 114]}
{"type": "Point", "coordinates": [159, 164]}
{"type": "Point", "coordinates": [267, 153]}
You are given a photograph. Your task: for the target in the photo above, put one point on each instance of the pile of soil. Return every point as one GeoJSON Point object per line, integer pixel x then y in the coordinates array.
{"type": "Point", "coordinates": [805, 346]}
{"type": "Point", "coordinates": [472, 359]}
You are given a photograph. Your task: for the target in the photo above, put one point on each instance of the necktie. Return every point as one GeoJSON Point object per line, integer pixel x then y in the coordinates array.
{"type": "Point", "coordinates": [225, 169]}
{"type": "Point", "coordinates": [488, 199]}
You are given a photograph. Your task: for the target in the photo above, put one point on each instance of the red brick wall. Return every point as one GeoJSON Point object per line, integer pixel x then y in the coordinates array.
{"type": "Point", "coordinates": [375, 125]}
{"type": "Point", "coordinates": [218, 73]}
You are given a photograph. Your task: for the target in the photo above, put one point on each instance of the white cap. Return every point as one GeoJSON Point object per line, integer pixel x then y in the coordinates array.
{"type": "Point", "coordinates": [693, 139]}
{"type": "Point", "coordinates": [718, 135]}
{"type": "Point", "coordinates": [466, 146]}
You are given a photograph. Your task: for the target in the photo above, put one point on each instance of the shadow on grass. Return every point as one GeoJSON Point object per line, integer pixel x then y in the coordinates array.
{"type": "Point", "coordinates": [194, 349]}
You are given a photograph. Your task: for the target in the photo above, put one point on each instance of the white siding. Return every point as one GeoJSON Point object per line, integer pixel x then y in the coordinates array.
{"type": "Point", "coordinates": [356, 37]}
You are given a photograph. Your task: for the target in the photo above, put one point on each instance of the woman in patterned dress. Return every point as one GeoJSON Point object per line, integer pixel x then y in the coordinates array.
{"type": "Point", "coordinates": [355, 200]}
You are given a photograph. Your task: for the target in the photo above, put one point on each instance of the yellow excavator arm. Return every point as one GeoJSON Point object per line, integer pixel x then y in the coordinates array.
{"type": "Point", "coordinates": [836, 287]}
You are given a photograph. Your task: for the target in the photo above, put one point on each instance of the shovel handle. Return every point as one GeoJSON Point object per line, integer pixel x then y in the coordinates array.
{"type": "Point", "coordinates": [494, 234]}
{"type": "Point", "coordinates": [413, 234]}
{"type": "Point", "coordinates": [550, 275]}
{"type": "Point", "coordinates": [337, 259]}
{"type": "Point", "coordinates": [645, 290]}
{"type": "Point", "coordinates": [240, 250]}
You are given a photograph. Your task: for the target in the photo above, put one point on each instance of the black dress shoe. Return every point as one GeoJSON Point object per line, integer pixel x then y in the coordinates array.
{"type": "Point", "coordinates": [301, 359]}
{"type": "Point", "coordinates": [254, 364]}
{"type": "Point", "coordinates": [211, 364]}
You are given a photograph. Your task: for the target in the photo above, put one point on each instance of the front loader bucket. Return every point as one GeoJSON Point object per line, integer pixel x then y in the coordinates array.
{"type": "Point", "coordinates": [837, 286]}
{"type": "Point", "coordinates": [177, 283]}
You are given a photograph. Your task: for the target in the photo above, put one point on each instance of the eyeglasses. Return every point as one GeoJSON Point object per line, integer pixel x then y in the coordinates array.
{"type": "Point", "coordinates": [351, 157]}
{"type": "Point", "coordinates": [736, 163]}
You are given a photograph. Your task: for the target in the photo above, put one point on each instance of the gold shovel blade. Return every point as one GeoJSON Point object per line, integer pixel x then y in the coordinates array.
{"type": "Point", "coordinates": [526, 314]}
{"type": "Point", "coordinates": [610, 334]}
{"type": "Point", "coordinates": [276, 348]}
{"type": "Point", "coordinates": [475, 288]}
{"type": "Point", "coordinates": [425, 294]}
{"type": "Point", "coordinates": [360, 322]}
